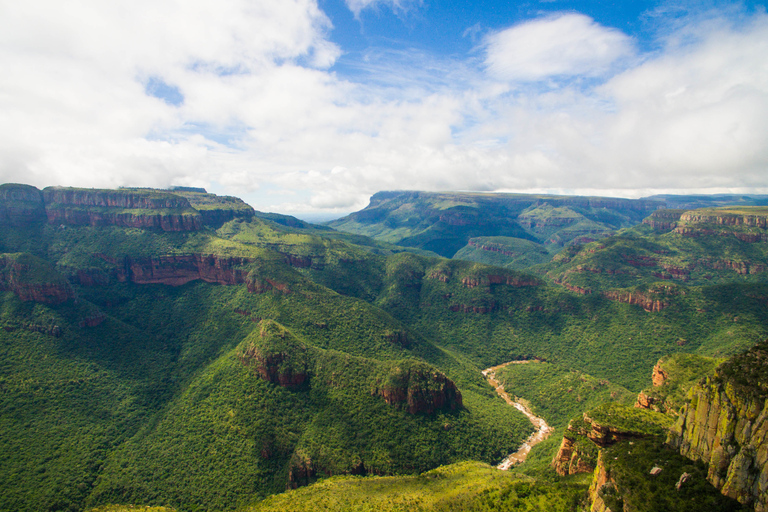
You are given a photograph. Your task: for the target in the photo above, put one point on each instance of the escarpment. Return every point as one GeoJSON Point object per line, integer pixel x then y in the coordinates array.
{"type": "Point", "coordinates": [664, 219]}
{"type": "Point", "coordinates": [20, 204]}
{"type": "Point", "coordinates": [180, 269]}
{"type": "Point", "coordinates": [174, 270]}
{"type": "Point", "coordinates": [748, 225]}
{"type": "Point", "coordinates": [165, 210]}
{"type": "Point", "coordinates": [33, 279]}
{"type": "Point", "coordinates": [725, 425]}
{"type": "Point", "coordinates": [419, 388]}
{"type": "Point", "coordinates": [645, 301]}
{"type": "Point", "coordinates": [123, 207]}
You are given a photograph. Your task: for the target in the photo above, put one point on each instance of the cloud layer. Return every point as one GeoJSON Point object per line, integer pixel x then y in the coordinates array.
{"type": "Point", "coordinates": [241, 97]}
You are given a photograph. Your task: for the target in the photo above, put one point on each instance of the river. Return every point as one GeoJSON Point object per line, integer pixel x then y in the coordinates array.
{"type": "Point", "coordinates": [542, 429]}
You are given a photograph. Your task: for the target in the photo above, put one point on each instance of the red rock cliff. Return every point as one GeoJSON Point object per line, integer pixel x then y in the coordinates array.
{"type": "Point", "coordinates": [421, 389]}
{"type": "Point", "coordinates": [33, 279]}
{"type": "Point", "coordinates": [126, 208]}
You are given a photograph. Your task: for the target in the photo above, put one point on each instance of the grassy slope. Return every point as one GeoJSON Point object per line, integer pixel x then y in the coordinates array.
{"type": "Point", "coordinates": [467, 486]}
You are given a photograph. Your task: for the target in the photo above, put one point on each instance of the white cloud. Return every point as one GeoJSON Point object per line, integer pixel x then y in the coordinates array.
{"type": "Point", "coordinates": [561, 45]}
{"type": "Point", "coordinates": [357, 6]}
{"type": "Point", "coordinates": [263, 118]}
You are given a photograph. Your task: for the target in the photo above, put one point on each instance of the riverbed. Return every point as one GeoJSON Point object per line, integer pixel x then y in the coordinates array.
{"type": "Point", "coordinates": [542, 429]}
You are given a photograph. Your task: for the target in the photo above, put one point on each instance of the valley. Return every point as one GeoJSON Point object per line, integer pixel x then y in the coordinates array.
{"type": "Point", "coordinates": [542, 429]}
{"type": "Point", "coordinates": [180, 350]}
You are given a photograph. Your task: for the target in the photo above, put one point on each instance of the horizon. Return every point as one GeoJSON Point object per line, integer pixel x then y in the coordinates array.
{"type": "Point", "coordinates": [310, 107]}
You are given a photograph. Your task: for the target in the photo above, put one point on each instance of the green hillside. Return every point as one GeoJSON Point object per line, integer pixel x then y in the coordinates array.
{"type": "Point", "coordinates": [150, 360]}
{"type": "Point", "coordinates": [445, 222]}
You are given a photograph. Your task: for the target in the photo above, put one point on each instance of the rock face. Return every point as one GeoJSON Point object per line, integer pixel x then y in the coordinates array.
{"type": "Point", "coordinates": [574, 455]}
{"type": "Point", "coordinates": [600, 486]}
{"type": "Point", "coordinates": [646, 302]}
{"type": "Point", "coordinates": [725, 425]}
{"type": "Point", "coordinates": [748, 226]}
{"type": "Point", "coordinates": [664, 219]}
{"type": "Point", "coordinates": [420, 388]}
{"type": "Point", "coordinates": [493, 279]}
{"type": "Point", "coordinates": [176, 270]}
{"type": "Point", "coordinates": [126, 208]}
{"type": "Point", "coordinates": [277, 356]}
{"type": "Point", "coordinates": [33, 279]}
{"type": "Point", "coordinates": [20, 204]}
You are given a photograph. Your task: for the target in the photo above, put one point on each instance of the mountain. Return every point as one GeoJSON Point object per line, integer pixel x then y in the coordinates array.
{"type": "Point", "coordinates": [155, 354]}
{"type": "Point", "coordinates": [447, 222]}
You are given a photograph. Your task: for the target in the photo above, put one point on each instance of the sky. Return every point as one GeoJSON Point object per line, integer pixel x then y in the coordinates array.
{"type": "Point", "coordinates": [308, 107]}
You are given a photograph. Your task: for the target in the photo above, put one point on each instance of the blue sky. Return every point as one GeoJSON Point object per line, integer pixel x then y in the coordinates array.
{"type": "Point", "coordinates": [310, 106]}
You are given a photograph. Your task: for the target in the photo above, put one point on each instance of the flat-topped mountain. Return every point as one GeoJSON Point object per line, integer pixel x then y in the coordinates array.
{"type": "Point", "coordinates": [446, 222]}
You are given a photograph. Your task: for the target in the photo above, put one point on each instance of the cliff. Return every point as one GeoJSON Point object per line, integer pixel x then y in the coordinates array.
{"type": "Point", "coordinates": [577, 453]}
{"type": "Point", "coordinates": [33, 279]}
{"type": "Point", "coordinates": [748, 224]}
{"type": "Point", "coordinates": [418, 387]}
{"type": "Point", "coordinates": [672, 378]}
{"type": "Point", "coordinates": [20, 204]}
{"type": "Point", "coordinates": [652, 298]}
{"type": "Point", "coordinates": [215, 210]}
{"type": "Point", "coordinates": [136, 208]}
{"type": "Point", "coordinates": [664, 219]}
{"type": "Point", "coordinates": [276, 356]}
{"type": "Point", "coordinates": [725, 425]}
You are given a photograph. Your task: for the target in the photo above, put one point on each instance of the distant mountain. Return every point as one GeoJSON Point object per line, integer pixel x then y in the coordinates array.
{"type": "Point", "coordinates": [691, 202]}
{"type": "Point", "coordinates": [515, 231]}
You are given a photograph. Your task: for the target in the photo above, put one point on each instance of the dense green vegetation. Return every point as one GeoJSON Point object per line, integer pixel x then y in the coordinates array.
{"type": "Point", "coordinates": [629, 465]}
{"type": "Point", "coordinates": [503, 251]}
{"type": "Point", "coordinates": [459, 487]}
{"type": "Point", "coordinates": [680, 373]}
{"type": "Point", "coordinates": [445, 222]}
{"type": "Point", "coordinates": [264, 353]}
{"type": "Point", "coordinates": [642, 256]}
{"type": "Point", "coordinates": [558, 394]}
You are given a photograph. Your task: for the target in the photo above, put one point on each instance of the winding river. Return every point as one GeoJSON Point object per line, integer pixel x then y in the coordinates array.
{"type": "Point", "coordinates": [542, 429]}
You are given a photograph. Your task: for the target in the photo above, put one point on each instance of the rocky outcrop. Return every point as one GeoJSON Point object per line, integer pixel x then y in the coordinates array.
{"type": "Point", "coordinates": [664, 219]}
{"type": "Point", "coordinates": [21, 204]}
{"type": "Point", "coordinates": [123, 207]}
{"type": "Point", "coordinates": [468, 308]}
{"type": "Point", "coordinates": [174, 270]}
{"type": "Point", "coordinates": [33, 279]}
{"type": "Point", "coordinates": [725, 425]}
{"type": "Point", "coordinates": [516, 280]}
{"type": "Point", "coordinates": [399, 338]}
{"type": "Point", "coordinates": [601, 488]}
{"type": "Point", "coordinates": [645, 301]}
{"type": "Point", "coordinates": [277, 356]}
{"type": "Point", "coordinates": [419, 388]}
{"type": "Point", "coordinates": [576, 453]}
{"type": "Point", "coordinates": [301, 470]}
{"type": "Point", "coordinates": [747, 224]}
{"type": "Point", "coordinates": [659, 376]}
{"type": "Point", "coordinates": [488, 246]}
